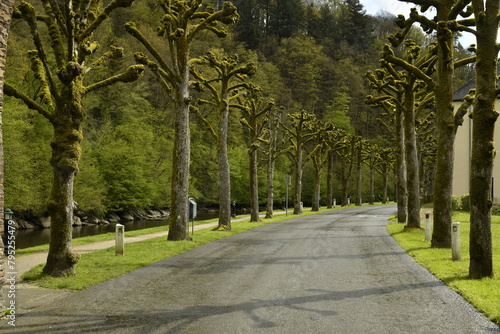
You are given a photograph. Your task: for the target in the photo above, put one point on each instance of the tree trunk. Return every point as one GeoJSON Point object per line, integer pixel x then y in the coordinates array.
{"type": "Point", "coordinates": [317, 190]}
{"type": "Point", "coordinates": [359, 200]}
{"type": "Point", "coordinates": [224, 170]}
{"type": "Point", "coordinates": [483, 152]}
{"type": "Point", "coordinates": [5, 19]}
{"type": "Point", "coordinates": [372, 187]}
{"type": "Point", "coordinates": [412, 166]}
{"type": "Point", "coordinates": [401, 193]}
{"type": "Point", "coordinates": [179, 207]}
{"type": "Point", "coordinates": [329, 180]}
{"type": "Point", "coordinates": [270, 186]}
{"type": "Point", "coordinates": [441, 236]}
{"type": "Point", "coordinates": [66, 152]}
{"type": "Point", "coordinates": [254, 187]}
{"type": "Point", "coordinates": [298, 181]}
{"type": "Point", "coordinates": [385, 176]}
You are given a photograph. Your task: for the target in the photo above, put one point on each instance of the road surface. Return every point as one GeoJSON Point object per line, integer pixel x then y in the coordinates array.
{"type": "Point", "coordinates": [334, 272]}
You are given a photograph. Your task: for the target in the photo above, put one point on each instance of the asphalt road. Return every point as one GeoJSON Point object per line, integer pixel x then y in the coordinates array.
{"type": "Point", "coordinates": [335, 272]}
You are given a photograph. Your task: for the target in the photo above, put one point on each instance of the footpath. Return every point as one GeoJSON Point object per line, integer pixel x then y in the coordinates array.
{"type": "Point", "coordinates": [29, 296]}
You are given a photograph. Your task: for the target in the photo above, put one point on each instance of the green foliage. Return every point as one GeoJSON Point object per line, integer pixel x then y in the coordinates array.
{"type": "Point", "coordinates": [461, 203]}
{"type": "Point", "coordinates": [26, 156]}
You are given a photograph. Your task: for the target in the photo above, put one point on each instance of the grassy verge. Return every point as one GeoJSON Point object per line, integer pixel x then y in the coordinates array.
{"type": "Point", "coordinates": [483, 294]}
{"type": "Point", "coordinates": [103, 265]}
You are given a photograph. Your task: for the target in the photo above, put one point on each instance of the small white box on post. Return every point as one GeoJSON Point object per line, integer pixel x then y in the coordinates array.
{"type": "Point", "coordinates": [119, 239]}
{"type": "Point", "coordinates": [455, 241]}
{"type": "Point", "coordinates": [428, 234]}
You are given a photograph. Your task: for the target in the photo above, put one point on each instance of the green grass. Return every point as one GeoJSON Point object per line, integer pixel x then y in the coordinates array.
{"type": "Point", "coordinates": [483, 294]}
{"type": "Point", "coordinates": [103, 265]}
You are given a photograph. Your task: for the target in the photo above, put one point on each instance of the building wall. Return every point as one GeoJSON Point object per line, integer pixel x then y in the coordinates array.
{"type": "Point", "coordinates": [461, 168]}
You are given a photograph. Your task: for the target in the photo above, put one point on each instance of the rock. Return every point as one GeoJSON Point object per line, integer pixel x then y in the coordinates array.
{"type": "Point", "coordinates": [126, 216]}
{"type": "Point", "coordinates": [24, 225]}
{"type": "Point", "coordinates": [45, 221]}
{"type": "Point", "coordinates": [113, 218]}
{"type": "Point", "coordinates": [77, 221]}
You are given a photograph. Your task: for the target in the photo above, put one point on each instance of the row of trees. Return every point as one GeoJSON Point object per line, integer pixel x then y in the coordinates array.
{"type": "Point", "coordinates": [420, 79]}
{"type": "Point", "coordinates": [209, 94]}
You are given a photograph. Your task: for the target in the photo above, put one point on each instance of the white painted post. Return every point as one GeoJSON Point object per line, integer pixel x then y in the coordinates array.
{"type": "Point", "coordinates": [334, 202]}
{"type": "Point", "coordinates": [428, 231]}
{"type": "Point", "coordinates": [119, 239]}
{"type": "Point", "coordinates": [455, 241]}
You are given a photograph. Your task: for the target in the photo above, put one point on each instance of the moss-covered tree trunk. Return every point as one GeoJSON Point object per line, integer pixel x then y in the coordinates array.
{"type": "Point", "coordinates": [329, 179]}
{"type": "Point", "coordinates": [483, 151]}
{"type": "Point", "coordinates": [66, 152]}
{"type": "Point", "coordinates": [412, 165]}
{"type": "Point", "coordinates": [224, 170]}
{"type": "Point", "coordinates": [359, 183]}
{"type": "Point", "coordinates": [445, 123]}
{"type": "Point", "coordinates": [372, 187]}
{"type": "Point", "coordinates": [316, 188]}
{"type": "Point", "coordinates": [254, 186]}
{"type": "Point", "coordinates": [5, 19]}
{"type": "Point", "coordinates": [270, 185]}
{"type": "Point", "coordinates": [297, 198]}
{"type": "Point", "coordinates": [179, 209]}
{"type": "Point", "coordinates": [401, 192]}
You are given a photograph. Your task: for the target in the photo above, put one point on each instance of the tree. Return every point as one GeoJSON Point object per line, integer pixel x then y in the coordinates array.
{"type": "Point", "coordinates": [182, 23]}
{"type": "Point", "coordinates": [445, 24]}
{"type": "Point", "coordinates": [255, 112]}
{"type": "Point", "coordinates": [384, 164]}
{"type": "Point", "coordinates": [318, 152]}
{"type": "Point", "coordinates": [298, 133]}
{"type": "Point", "coordinates": [346, 151]}
{"type": "Point", "coordinates": [273, 148]}
{"type": "Point", "coordinates": [223, 91]}
{"type": "Point", "coordinates": [487, 17]}
{"type": "Point", "coordinates": [5, 19]}
{"type": "Point", "coordinates": [62, 87]}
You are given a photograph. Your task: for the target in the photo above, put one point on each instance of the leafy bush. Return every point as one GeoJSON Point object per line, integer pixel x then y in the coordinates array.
{"type": "Point", "coordinates": [460, 203]}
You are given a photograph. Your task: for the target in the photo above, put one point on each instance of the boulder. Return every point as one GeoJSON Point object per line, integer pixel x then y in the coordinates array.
{"type": "Point", "coordinates": [45, 221]}
{"type": "Point", "coordinates": [126, 216]}
{"type": "Point", "coordinates": [77, 221]}
{"type": "Point", "coordinates": [113, 218]}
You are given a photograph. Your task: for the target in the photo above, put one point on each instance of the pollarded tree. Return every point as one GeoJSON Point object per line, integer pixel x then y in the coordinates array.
{"type": "Point", "coordinates": [317, 149]}
{"type": "Point", "coordinates": [255, 118]}
{"type": "Point", "coordinates": [384, 164]}
{"type": "Point", "coordinates": [445, 24]}
{"type": "Point", "coordinates": [272, 149]}
{"type": "Point", "coordinates": [299, 133]}
{"type": "Point", "coordinates": [60, 67]}
{"type": "Point", "coordinates": [371, 152]}
{"type": "Point", "coordinates": [487, 17]}
{"type": "Point", "coordinates": [224, 88]}
{"type": "Point", "coordinates": [346, 150]}
{"type": "Point", "coordinates": [392, 120]}
{"type": "Point", "coordinates": [182, 23]}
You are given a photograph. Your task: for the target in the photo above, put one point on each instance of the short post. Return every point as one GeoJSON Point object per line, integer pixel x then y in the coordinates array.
{"type": "Point", "coordinates": [455, 241]}
{"type": "Point", "coordinates": [428, 234]}
{"type": "Point", "coordinates": [119, 239]}
{"type": "Point", "coordinates": [334, 202]}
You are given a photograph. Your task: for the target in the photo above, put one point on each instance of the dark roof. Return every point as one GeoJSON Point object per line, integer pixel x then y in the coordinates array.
{"type": "Point", "coordinates": [459, 94]}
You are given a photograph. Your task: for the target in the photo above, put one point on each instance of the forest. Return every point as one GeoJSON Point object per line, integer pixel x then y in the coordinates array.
{"type": "Point", "coordinates": [309, 56]}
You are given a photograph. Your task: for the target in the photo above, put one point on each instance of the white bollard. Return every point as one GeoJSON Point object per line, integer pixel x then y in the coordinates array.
{"type": "Point", "coordinates": [455, 241]}
{"type": "Point", "coordinates": [334, 202]}
{"type": "Point", "coordinates": [428, 234]}
{"type": "Point", "coordinates": [119, 239]}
